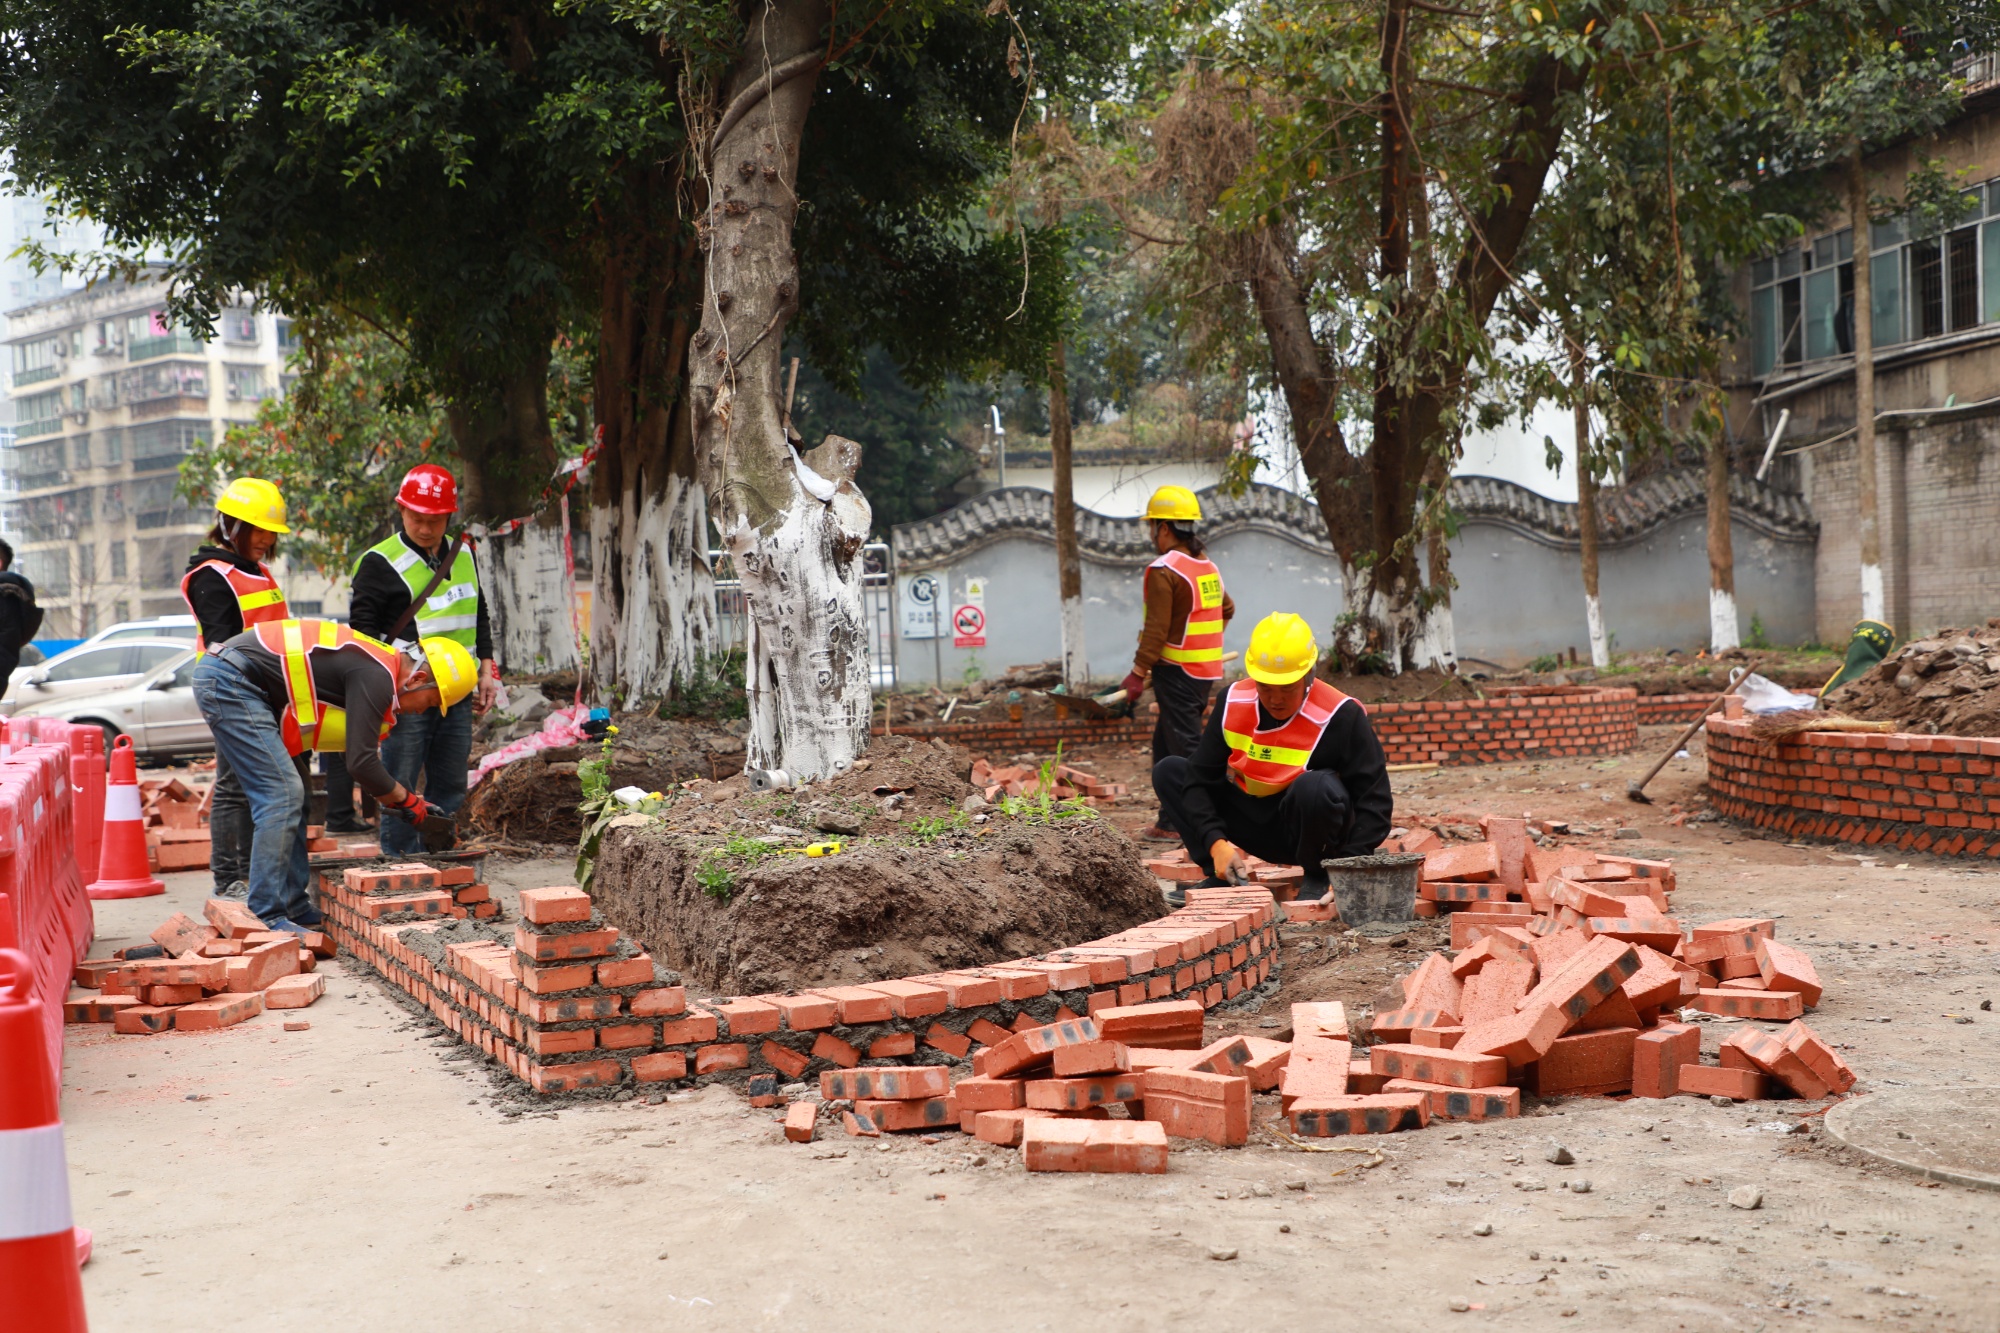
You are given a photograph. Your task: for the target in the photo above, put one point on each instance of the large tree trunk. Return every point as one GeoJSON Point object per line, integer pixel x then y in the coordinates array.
{"type": "Point", "coordinates": [1586, 511]}
{"type": "Point", "coordinates": [794, 525]}
{"type": "Point", "coordinates": [1722, 628]}
{"type": "Point", "coordinates": [1069, 561]}
{"type": "Point", "coordinates": [653, 619]}
{"type": "Point", "coordinates": [524, 582]}
{"type": "Point", "coordinates": [1874, 606]}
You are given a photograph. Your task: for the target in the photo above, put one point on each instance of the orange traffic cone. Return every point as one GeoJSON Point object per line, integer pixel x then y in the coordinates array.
{"type": "Point", "coordinates": [123, 872]}
{"type": "Point", "coordinates": [38, 1244]}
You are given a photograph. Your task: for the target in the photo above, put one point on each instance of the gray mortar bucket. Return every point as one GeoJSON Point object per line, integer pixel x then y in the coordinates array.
{"type": "Point", "coordinates": [1375, 889]}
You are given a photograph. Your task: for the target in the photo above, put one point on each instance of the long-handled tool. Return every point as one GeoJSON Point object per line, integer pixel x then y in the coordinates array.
{"type": "Point", "coordinates": [1097, 707]}
{"type": "Point", "coordinates": [1636, 791]}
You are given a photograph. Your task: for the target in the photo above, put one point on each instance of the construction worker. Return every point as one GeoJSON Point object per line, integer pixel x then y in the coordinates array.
{"type": "Point", "coordinates": [1287, 770]}
{"type": "Point", "coordinates": [1180, 644]}
{"type": "Point", "coordinates": [416, 585]}
{"type": "Point", "coordinates": [287, 687]}
{"type": "Point", "coordinates": [229, 588]}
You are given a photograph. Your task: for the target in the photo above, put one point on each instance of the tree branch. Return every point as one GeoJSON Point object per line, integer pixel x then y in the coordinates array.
{"type": "Point", "coordinates": [746, 101]}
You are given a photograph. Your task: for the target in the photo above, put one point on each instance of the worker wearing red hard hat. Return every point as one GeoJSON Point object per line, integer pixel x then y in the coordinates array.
{"type": "Point", "coordinates": [416, 584]}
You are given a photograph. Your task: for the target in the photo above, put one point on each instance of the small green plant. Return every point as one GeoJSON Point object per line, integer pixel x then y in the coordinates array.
{"type": "Point", "coordinates": [721, 865]}
{"type": "Point", "coordinates": [929, 828]}
{"type": "Point", "coordinates": [599, 807]}
{"type": "Point", "coordinates": [1757, 637]}
{"type": "Point", "coordinates": [1546, 662]}
{"type": "Point", "coordinates": [1043, 807]}
{"type": "Point", "coordinates": [713, 689]}
{"type": "Point", "coordinates": [973, 671]}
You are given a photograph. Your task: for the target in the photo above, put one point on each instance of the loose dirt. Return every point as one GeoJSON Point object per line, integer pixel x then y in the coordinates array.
{"type": "Point", "coordinates": [1946, 684]}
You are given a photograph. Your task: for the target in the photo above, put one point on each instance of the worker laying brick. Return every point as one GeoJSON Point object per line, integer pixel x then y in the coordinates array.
{"type": "Point", "coordinates": [1288, 769]}
{"type": "Point", "coordinates": [284, 687]}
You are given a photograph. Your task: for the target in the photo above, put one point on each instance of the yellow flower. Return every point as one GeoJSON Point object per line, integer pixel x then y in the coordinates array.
{"type": "Point", "coordinates": [611, 731]}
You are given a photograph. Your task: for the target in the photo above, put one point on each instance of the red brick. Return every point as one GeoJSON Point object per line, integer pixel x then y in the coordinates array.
{"type": "Point", "coordinates": [1398, 1024]}
{"type": "Point", "coordinates": [1446, 1067]}
{"type": "Point", "coordinates": [1658, 933]}
{"type": "Point", "coordinates": [101, 1009]}
{"type": "Point", "coordinates": [1776, 1005]}
{"type": "Point", "coordinates": [912, 999]}
{"type": "Point", "coordinates": [660, 1001]}
{"type": "Point", "coordinates": [1522, 1038]}
{"type": "Point", "coordinates": [634, 971]}
{"type": "Point", "coordinates": [1658, 1055]}
{"type": "Point", "coordinates": [1466, 861]}
{"type": "Point", "coordinates": [691, 1030]}
{"type": "Point", "coordinates": [626, 1036]}
{"type": "Point", "coordinates": [294, 992]}
{"type": "Point", "coordinates": [1004, 1127]}
{"type": "Point", "coordinates": [1106, 1146]}
{"type": "Point", "coordinates": [965, 992]}
{"type": "Point", "coordinates": [570, 1008]}
{"type": "Point", "coordinates": [166, 997]}
{"type": "Point", "coordinates": [258, 967]}
{"type": "Point", "coordinates": [717, 1059]}
{"type": "Point", "coordinates": [1819, 1057]}
{"type": "Point", "coordinates": [1601, 967]}
{"type": "Point", "coordinates": [1091, 1057]}
{"type": "Point", "coordinates": [1709, 948]}
{"type": "Point", "coordinates": [1783, 968]}
{"type": "Point", "coordinates": [990, 1094]}
{"type": "Point", "coordinates": [561, 1041]}
{"type": "Point", "coordinates": [1737, 966]}
{"type": "Point", "coordinates": [1713, 1081]}
{"type": "Point", "coordinates": [944, 1039]}
{"type": "Point", "coordinates": [1381, 1113]}
{"type": "Point", "coordinates": [784, 1059]}
{"type": "Point", "coordinates": [232, 920]}
{"type": "Point", "coordinates": [548, 907]}
{"type": "Point", "coordinates": [801, 1122]}
{"type": "Point", "coordinates": [579, 1076]}
{"type": "Point", "coordinates": [1077, 1094]}
{"type": "Point", "coordinates": [896, 1116]}
{"type": "Point", "coordinates": [748, 1018]}
{"type": "Point", "coordinates": [1585, 1064]}
{"type": "Point", "coordinates": [660, 1067]}
{"type": "Point", "coordinates": [91, 973]}
{"type": "Point", "coordinates": [221, 1012]}
{"type": "Point", "coordinates": [833, 1050]}
{"type": "Point", "coordinates": [889, 1083]}
{"type": "Point", "coordinates": [1036, 1047]}
{"type": "Point", "coordinates": [181, 933]}
{"type": "Point", "coordinates": [556, 948]}
{"type": "Point", "coordinates": [140, 1019]}
{"type": "Point", "coordinates": [1770, 1054]}
{"type": "Point", "coordinates": [562, 976]}
{"type": "Point", "coordinates": [1171, 1024]}
{"type": "Point", "coordinates": [451, 877]}
{"type": "Point", "coordinates": [858, 1004]}
{"type": "Point", "coordinates": [892, 1045]}
{"type": "Point", "coordinates": [1736, 925]}
{"type": "Point", "coordinates": [1432, 986]}
{"type": "Point", "coordinates": [1267, 1062]}
{"type": "Point", "coordinates": [1449, 1103]}
{"type": "Point", "coordinates": [207, 973]}
{"type": "Point", "coordinates": [987, 1033]}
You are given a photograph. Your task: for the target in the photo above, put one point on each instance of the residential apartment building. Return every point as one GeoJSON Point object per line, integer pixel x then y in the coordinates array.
{"type": "Point", "coordinates": [108, 394]}
{"type": "Point", "coordinates": [1935, 309]}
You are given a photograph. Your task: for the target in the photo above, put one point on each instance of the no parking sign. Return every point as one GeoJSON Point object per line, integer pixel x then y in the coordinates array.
{"type": "Point", "coordinates": [968, 626]}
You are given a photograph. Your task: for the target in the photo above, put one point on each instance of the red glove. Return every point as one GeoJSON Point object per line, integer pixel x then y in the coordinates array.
{"type": "Point", "coordinates": [414, 807]}
{"type": "Point", "coordinates": [1134, 685]}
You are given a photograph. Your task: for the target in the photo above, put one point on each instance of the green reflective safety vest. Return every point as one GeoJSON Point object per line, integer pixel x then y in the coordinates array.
{"type": "Point", "coordinates": [452, 611]}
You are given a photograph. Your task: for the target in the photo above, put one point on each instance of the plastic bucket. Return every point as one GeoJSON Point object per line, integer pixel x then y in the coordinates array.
{"type": "Point", "coordinates": [1375, 889]}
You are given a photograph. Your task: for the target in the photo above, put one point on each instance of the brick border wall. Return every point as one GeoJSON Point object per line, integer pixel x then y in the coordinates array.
{"type": "Point", "coordinates": [1656, 709]}
{"type": "Point", "coordinates": [1222, 943]}
{"type": "Point", "coordinates": [1920, 793]}
{"type": "Point", "coordinates": [1527, 722]}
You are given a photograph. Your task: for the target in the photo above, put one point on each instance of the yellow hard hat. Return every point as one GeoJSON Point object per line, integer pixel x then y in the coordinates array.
{"type": "Point", "coordinates": [452, 667]}
{"type": "Point", "coordinates": [255, 501]}
{"type": "Point", "coordinates": [1174, 504]}
{"type": "Point", "coordinates": [1281, 649]}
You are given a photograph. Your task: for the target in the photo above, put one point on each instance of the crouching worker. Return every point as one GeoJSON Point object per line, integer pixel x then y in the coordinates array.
{"type": "Point", "coordinates": [1288, 769]}
{"type": "Point", "coordinates": [287, 687]}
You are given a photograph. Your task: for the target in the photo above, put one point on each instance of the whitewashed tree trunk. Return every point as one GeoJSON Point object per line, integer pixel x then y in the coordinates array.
{"type": "Point", "coordinates": [1075, 663]}
{"type": "Point", "coordinates": [1600, 647]}
{"type": "Point", "coordinates": [793, 526]}
{"type": "Point", "coordinates": [1412, 636]}
{"type": "Point", "coordinates": [1069, 560]}
{"type": "Point", "coordinates": [656, 548]}
{"type": "Point", "coordinates": [1722, 631]}
{"type": "Point", "coordinates": [1874, 606]}
{"type": "Point", "coordinates": [522, 582]}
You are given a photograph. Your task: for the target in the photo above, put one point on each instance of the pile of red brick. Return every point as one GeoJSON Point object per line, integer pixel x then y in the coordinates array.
{"type": "Point", "coordinates": [176, 818]}
{"type": "Point", "coordinates": [210, 974]}
{"type": "Point", "coordinates": [1023, 780]}
{"type": "Point", "coordinates": [1175, 867]}
{"type": "Point", "coordinates": [1568, 977]}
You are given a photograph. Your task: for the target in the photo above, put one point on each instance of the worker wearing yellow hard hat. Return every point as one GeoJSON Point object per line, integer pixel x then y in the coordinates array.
{"type": "Point", "coordinates": [1288, 769]}
{"type": "Point", "coordinates": [284, 688]}
{"type": "Point", "coordinates": [1180, 640]}
{"type": "Point", "coordinates": [229, 587]}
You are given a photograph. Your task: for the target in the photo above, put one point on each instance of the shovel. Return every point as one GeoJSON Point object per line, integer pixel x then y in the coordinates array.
{"type": "Point", "coordinates": [1636, 791]}
{"type": "Point", "coordinates": [1097, 707]}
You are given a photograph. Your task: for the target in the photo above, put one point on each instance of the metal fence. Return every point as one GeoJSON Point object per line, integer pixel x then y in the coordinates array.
{"type": "Point", "coordinates": [878, 608]}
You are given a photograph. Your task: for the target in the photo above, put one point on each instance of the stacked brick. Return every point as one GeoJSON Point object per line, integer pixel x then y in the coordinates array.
{"type": "Point", "coordinates": [1524, 722]}
{"type": "Point", "coordinates": [199, 976]}
{"type": "Point", "coordinates": [1937, 794]}
{"type": "Point", "coordinates": [1176, 868]}
{"type": "Point", "coordinates": [620, 1030]}
{"type": "Point", "coordinates": [1679, 709]}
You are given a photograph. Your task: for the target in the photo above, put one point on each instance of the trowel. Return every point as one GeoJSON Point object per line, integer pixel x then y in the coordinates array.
{"type": "Point", "coordinates": [438, 830]}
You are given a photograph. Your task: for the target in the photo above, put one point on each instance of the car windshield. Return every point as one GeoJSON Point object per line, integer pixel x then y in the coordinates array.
{"type": "Point", "coordinates": [90, 664]}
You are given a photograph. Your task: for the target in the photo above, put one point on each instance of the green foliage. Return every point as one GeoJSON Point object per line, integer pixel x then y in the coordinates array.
{"type": "Point", "coordinates": [599, 807]}
{"type": "Point", "coordinates": [337, 445]}
{"type": "Point", "coordinates": [910, 465]}
{"type": "Point", "coordinates": [1043, 807]}
{"type": "Point", "coordinates": [927, 829]}
{"type": "Point", "coordinates": [1546, 662]}
{"type": "Point", "coordinates": [713, 690]}
{"type": "Point", "coordinates": [720, 866]}
{"type": "Point", "coordinates": [1757, 637]}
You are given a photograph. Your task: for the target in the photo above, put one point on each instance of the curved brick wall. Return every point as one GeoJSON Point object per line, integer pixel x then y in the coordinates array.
{"type": "Point", "coordinates": [1922, 793]}
{"type": "Point", "coordinates": [1525, 722]}
{"type": "Point", "coordinates": [1655, 709]}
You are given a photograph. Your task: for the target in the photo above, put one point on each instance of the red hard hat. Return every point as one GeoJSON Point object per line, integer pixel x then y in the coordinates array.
{"type": "Point", "coordinates": [428, 489]}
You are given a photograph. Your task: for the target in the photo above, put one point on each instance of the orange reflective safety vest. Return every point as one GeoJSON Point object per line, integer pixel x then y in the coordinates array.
{"type": "Point", "coordinates": [1199, 652]}
{"type": "Point", "coordinates": [258, 597]}
{"type": "Point", "coordinates": [308, 724]}
{"type": "Point", "coordinates": [1264, 763]}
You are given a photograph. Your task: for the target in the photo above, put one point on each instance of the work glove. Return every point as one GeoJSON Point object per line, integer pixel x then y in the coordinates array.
{"type": "Point", "coordinates": [414, 807]}
{"type": "Point", "coordinates": [1133, 685]}
{"type": "Point", "coordinates": [1228, 858]}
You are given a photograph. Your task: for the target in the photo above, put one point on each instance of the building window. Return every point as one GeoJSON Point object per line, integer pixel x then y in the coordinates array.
{"type": "Point", "coordinates": [305, 610]}
{"type": "Point", "coordinates": [39, 413]}
{"type": "Point", "coordinates": [121, 611]}
{"type": "Point", "coordinates": [79, 451]}
{"type": "Point", "coordinates": [245, 384]}
{"type": "Point", "coordinates": [239, 326]}
{"type": "Point", "coordinates": [118, 564]}
{"type": "Point", "coordinates": [40, 360]}
{"type": "Point", "coordinates": [288, 336]}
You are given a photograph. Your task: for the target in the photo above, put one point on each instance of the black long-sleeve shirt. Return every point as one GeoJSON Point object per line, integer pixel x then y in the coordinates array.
{"type": "Point", "coordinates": [14, 612]}
{"type": "Point", "coordinates": [212, 599]}
{"type": "Point", "coordinates": [347, 678]}
{"type": "Point", "coordinates": [1348, 746]}
{"type": "Point", "coordinates": [379, 597]}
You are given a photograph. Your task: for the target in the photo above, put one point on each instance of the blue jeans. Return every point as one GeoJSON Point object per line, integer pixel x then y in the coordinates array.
{"type": "Point", "coordinates": [247, 738]}
{"type": "Point", "coordinates": [438, 746]}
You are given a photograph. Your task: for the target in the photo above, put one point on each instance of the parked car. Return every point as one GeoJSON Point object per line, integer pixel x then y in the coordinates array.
{"type": "Point", "coordinates": [158, 627]}
{"type": "Point", "coordinates": [156, 709]}
{"type": "Point", "coordinates": [89, 668]}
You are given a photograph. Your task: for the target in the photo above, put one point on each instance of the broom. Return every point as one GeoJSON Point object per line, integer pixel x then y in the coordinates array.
{"type": "Point", "coordinates": [1770, 728]}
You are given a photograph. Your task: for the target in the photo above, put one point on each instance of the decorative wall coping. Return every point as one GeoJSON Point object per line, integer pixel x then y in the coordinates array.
{"type": "Point", "coordinates": [1627, 513]}
{"type": "Point", "coordinates": [1936, 794]}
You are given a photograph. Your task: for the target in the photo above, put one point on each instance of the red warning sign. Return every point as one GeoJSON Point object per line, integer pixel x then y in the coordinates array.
{"type": "Point", "coordinates": [968, 627]}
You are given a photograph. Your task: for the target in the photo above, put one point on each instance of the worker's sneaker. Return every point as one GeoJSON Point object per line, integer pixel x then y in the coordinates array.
{"type": "Point", "coordinates": [235, 891]}
{"type": "Point", "coordinates": [1313, 888]}
{"type": "Point", "coordinates": [349, 826]}
{"type": "Point", "coordinates": [1154, 833]}
{"type": "Point", "coordinates": [311, 918]}
{"type": "Point", "coordinates": [281, 923]}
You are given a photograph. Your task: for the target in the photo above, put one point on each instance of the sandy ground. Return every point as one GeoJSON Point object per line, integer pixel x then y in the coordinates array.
{"type": "Point", "coordinates": [358, 1175]}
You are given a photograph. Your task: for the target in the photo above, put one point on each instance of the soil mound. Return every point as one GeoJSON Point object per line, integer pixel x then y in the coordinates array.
{"type": "Point", "coordinates": [1948, 684]}
{"type": "Point", "coordinates": [894, 905]}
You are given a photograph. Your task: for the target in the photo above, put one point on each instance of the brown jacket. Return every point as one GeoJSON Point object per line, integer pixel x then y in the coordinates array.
{"type": "Point", "coordinates": [1169, 600]}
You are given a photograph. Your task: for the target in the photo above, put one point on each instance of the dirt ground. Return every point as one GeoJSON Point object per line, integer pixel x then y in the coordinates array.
{"type": "Point", "coordinates": [361, 1175]}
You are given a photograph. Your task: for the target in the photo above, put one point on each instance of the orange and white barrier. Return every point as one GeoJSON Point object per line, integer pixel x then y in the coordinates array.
{"type": "Point", "coordinates": [123, 871]}
{"type": "Point", "coordinates": [39, 1249]}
